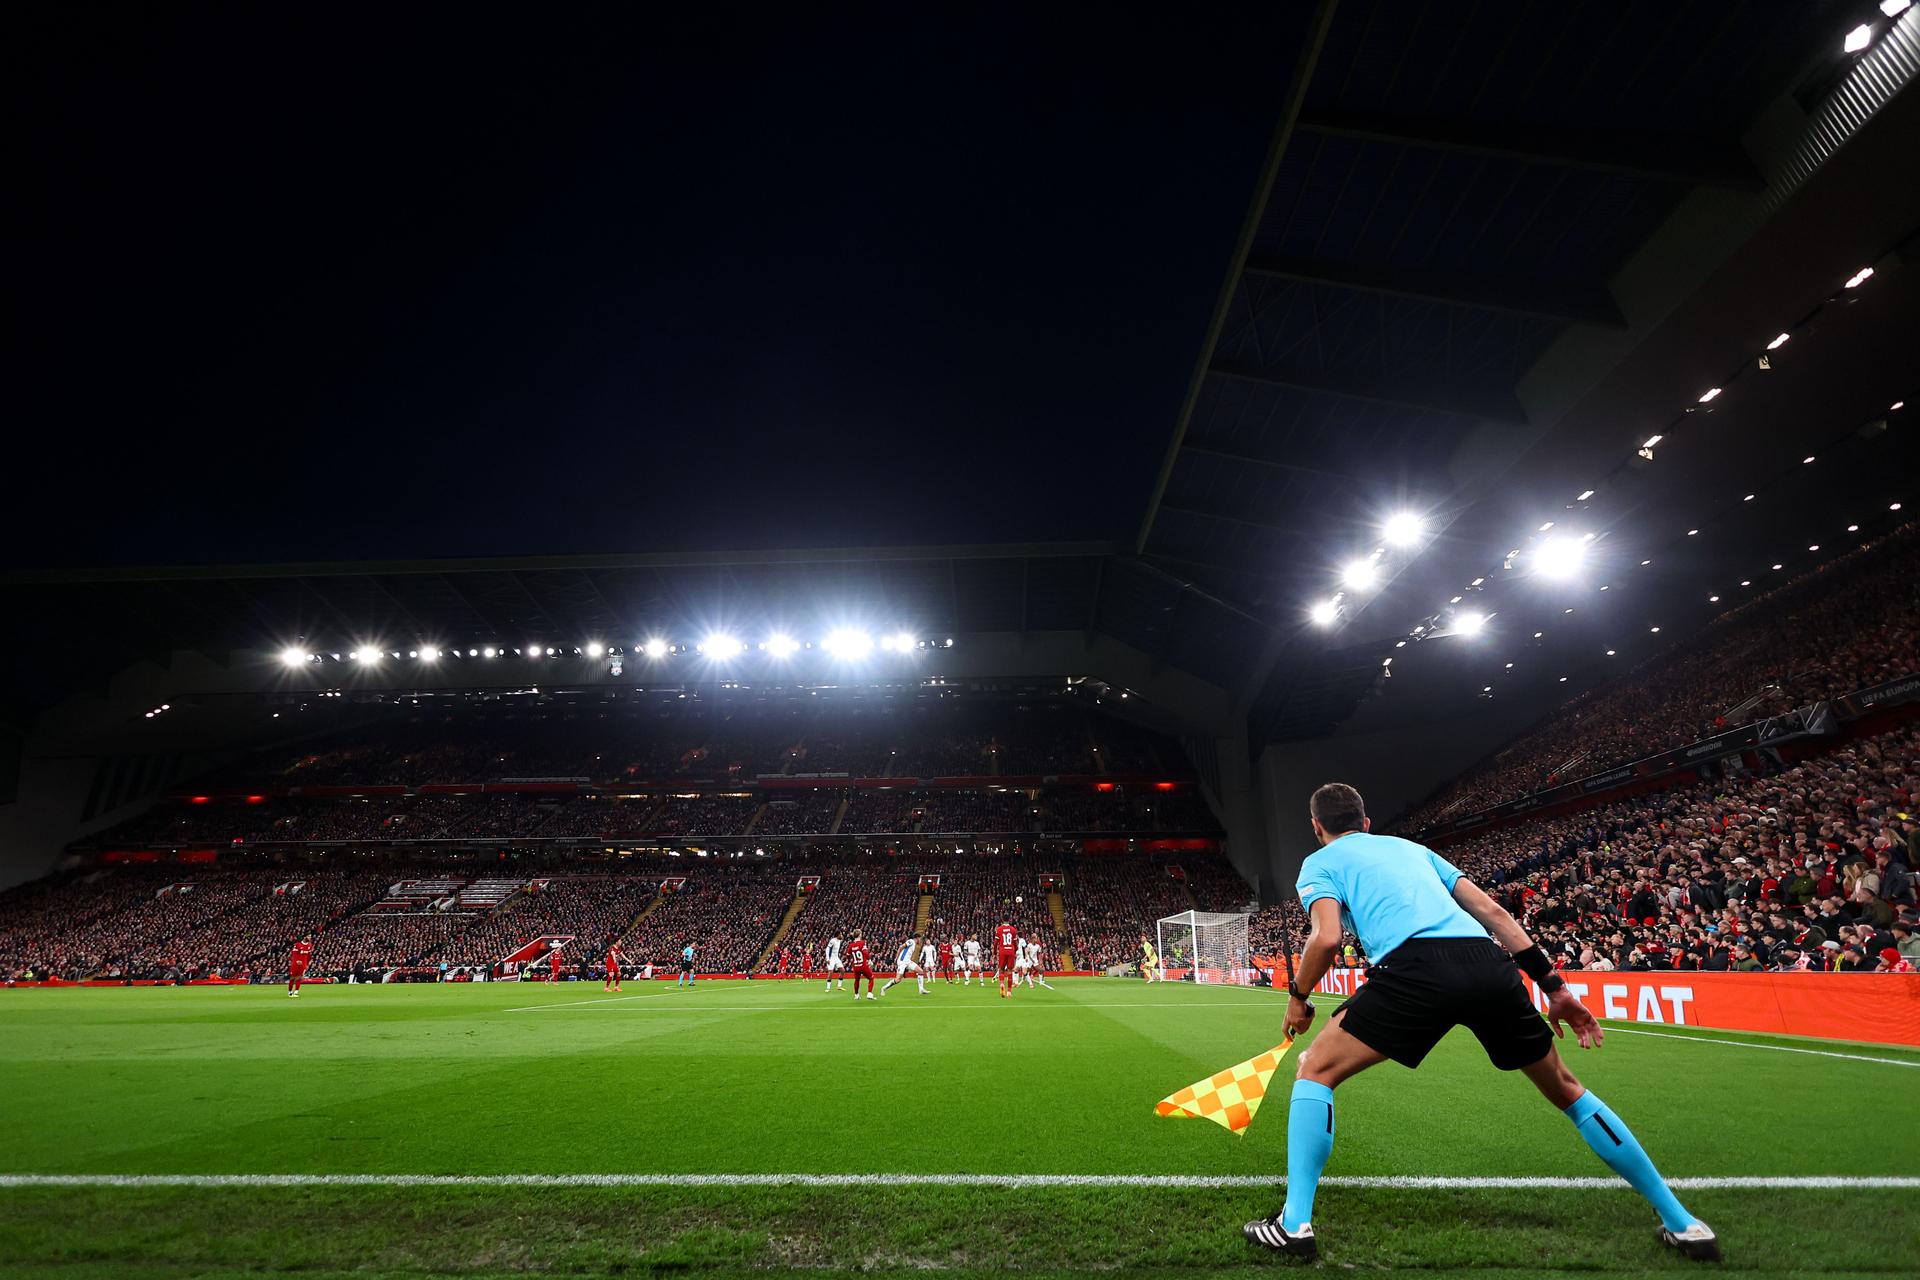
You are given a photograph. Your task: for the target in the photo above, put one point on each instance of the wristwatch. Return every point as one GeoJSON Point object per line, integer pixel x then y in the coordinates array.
{"type": "Point", "coordinates": [1304, 997]}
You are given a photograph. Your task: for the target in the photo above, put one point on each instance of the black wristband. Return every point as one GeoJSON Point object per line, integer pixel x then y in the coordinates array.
{"type": "Point", "coordinates": [1534, 963]}
{"type": "Point", "coordinates": [1302, 996]}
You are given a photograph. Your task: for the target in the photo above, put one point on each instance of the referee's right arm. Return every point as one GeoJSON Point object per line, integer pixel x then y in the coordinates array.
{"type": "Point", "coordinates": [1562, 1004]}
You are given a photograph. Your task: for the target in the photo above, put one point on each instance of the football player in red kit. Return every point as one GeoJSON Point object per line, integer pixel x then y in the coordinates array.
{"type": "Point", "coordinates": [946, 961]}
{"type": "Point", "coordinates": [806, 963]}
{"type": "Point", "coordinates": [1004, 939]}
{"type": "Point", "coordinates": [860, 962]}
{"type": "Point", "coordinates": [613, 968]}
{"type": "Point", "coordinates": [297, 965]}
{"type": "Point", "coordinates": [553, 965]}
{"type": "Point", "coordinates": [785, 957]}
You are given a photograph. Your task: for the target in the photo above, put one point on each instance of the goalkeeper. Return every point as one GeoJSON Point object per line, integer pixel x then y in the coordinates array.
{"type": "Point", "coordinates": [1437, 969]}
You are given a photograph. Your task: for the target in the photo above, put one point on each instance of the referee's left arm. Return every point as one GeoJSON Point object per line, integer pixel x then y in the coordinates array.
{"type": "Point", "coordinates": [1562, 1004]}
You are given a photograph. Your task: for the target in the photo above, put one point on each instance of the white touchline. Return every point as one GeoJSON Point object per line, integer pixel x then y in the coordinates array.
{"type": "Point", "coordinates": [1009, 1180]}
{"type": "Point", "coordinates": [1777, 1048]}
{"type": "Point", "coordinates": [696, 1006]}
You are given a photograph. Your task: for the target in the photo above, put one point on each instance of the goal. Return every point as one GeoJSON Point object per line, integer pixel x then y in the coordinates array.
{"type": "Point", "coordinates": [1205, 946]}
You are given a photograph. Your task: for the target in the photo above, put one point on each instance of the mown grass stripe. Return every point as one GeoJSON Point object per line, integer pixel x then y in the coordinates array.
{"type": "Point", "coordinates": [1016, 1181]}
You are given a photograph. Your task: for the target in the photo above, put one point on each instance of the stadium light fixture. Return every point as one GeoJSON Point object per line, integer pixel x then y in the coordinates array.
{"type": "Point", "coordinates": [781, 645]}
{"type": "Point", "coordinates": [848, 643]}
{"type": "Point", "coordinates": [1859, 277]}
{"type": "Point", "coordinates": [1358, 575]}
{"type": "Point", "coordinates": [1750, 497]}
{"type": "Point", "coordinates": [1710, 395]}
{"type": "Point", "coordinates": [1469, 623]}
{"type": "Point", "coordinates": [1858, 38]}
{"type": "Point", "coordinates": [534, 651]}
{"type": "Point", "coordinates": [1693, 533]}
{"type": "Point", "coordinates": [1713, 599]}
{"type": "Point", "coordinates": [491, 652]}
{"type": "Point", "coordinates": [1893, 506]}
{"type": "Point", "coordinates": [1853, 528]}
{"type": "Point", "coordinates": [1814, 547]}
{"type": "Point", "coordinates": [1779, 342]}
{"type": "Point", "coordinates": [1404, 529]}
{"type": "Point", "coordinates": [1894, 8]}
{"type": "Point", "coordinates": [907, 642]}
{"type": "Point", "coordinates": [1560, 557]}
{"type": "Point", "coordinates": [293, 657]}
{"type": "Point", "coordinates": [655, 648]}
{"type": "Point", "coordinates": [1324, 612]}
{"type": "Point", "coordinates": [429, 655]}
{"type": "Point", "coordinates": [720, 646]}
{"type": "Point", "coordinates": [595, 648]}
{"type": "Point", "coordinates": [1583, 497]}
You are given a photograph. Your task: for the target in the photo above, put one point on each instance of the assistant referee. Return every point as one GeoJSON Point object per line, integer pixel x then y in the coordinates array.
{"type": "Point", "coordinates": [1437, 969]}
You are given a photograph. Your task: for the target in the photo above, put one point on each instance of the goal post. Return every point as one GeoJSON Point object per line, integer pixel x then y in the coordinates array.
{"type": "Point", "coordinates": [1205, 946]}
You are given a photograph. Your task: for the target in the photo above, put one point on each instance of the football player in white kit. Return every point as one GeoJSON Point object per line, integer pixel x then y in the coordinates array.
{"type": "Point", "coordinates": [904, 964]}
{"type": "Point", "coordinates": [1036, 971]}
{"type": "Point", "coordinates": [929, 960]}
{"type": "Point", "coordinates": [973, 963]}
{"type": "Point", "coordinates": [1022, 967]}
{"type": "Point", "coordinates": [836, 977]}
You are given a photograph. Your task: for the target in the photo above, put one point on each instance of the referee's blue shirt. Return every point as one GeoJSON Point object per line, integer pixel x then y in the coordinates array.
{"type": "Point", "coordinates": [1389, 890]}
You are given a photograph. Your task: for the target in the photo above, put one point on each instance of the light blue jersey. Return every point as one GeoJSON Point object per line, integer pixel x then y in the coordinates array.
{"type": "Point", "coordinates": [1389, 890]}
{"type": "Point", "coordinates": [905, 954]}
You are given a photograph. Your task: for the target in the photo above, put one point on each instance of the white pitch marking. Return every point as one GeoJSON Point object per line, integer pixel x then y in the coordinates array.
{"type": "Point", "coordinates": [781, 1008]}
{"type": "Point", "coordinates": [1008, 1180]}
{"type": "Point", "coordinates": [1777, 1048]}
{"type": "Point", "coordinates": [569, 1004]}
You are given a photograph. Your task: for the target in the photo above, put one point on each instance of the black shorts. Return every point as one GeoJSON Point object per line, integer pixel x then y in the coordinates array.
{"type": "Point", "coordinates": [1429, 986]}
{"type": "Point", "coordinates": [686, 966]}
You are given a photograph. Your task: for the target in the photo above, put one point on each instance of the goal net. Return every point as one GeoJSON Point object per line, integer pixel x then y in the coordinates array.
{"type": "Point", "coordinates": [1205, 946]}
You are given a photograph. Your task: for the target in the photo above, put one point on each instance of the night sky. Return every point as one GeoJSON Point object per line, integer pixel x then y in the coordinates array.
{"type": "Point", "coordinates": [336, 284]}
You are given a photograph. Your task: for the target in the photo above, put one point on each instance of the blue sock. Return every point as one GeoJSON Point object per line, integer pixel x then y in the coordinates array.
{"type": "Point", "coordinates": [1614, 1143]}
{"type": "Point", "coordinates": [1309, 1143]}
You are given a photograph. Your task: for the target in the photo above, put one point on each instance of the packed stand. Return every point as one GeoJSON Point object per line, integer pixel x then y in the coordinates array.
{"type": "Point", "coordinates": [1850, 625]}
{"type": "Point", "coordinates": [1809, 868]}
{"type": "Point", "coordinates": [728, 910]}
{"type": "Point", "coordinates": [593, 910]}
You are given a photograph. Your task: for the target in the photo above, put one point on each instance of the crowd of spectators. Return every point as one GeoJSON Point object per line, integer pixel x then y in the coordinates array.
{"type": "Point", "coordinates": [870, 892]}
{"type": "Point", "coordinates": [1808, 867]}
{"type": "Point", "coordinates": [1849, 625]}
{"type": "Point", "coordinates": [728, 910]}
{"type": "Point", "coordinates": [592, 910]}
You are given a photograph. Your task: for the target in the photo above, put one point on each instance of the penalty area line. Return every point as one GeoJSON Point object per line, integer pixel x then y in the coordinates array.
{"type": "Point", "coordinates": [1015, 1181]}
{"type": "Point", "coordinates": [574, 1004]}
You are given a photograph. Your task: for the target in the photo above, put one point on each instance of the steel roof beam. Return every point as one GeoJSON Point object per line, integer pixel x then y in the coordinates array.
{"type": "Point", "coordinates": [1590, 304]}
{"type": "Point", "coordinates": [1693, 162]}
{"type": "Point", "coordinates": [1492, 405]}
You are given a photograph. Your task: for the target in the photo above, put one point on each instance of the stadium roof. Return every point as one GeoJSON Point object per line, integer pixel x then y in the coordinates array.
{"type": "Point", "coordinates": [1494, 239]}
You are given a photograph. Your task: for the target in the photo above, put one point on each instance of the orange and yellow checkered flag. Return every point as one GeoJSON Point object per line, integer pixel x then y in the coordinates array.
{"type": "Point", "coordinates": [1228, 1098]}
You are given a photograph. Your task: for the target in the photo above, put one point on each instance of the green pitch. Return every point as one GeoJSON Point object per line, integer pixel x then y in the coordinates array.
{"type": "Point", "coordinates": [781, 1078]}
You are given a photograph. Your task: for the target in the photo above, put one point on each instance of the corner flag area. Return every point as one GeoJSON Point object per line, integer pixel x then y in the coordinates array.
{"type": "Point", "coordinates": [515, 1129]}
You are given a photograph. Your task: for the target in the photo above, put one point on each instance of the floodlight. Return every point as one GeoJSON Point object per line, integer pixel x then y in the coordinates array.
{"type": "Point", "coordinates": [595, 648]}
{"type": "Point", "coordinates": [720, 645]}
{"type": "Point", "coordinates": [905, 642]}
{"type": "Point", "coordinates": [1404, 529]}
{"type": "Point", "coordinates": [1652, 441]}
{"type": "Point", "coordinates": [1894, 8]}
{"type": "Point", "coordinates": [1560, 557]}
{"type": "Point", "coordinates": [1779, 342]}
{"type": "Point", "coordinates": [848, 643]}
{"type": "Point", "coordinates": [1710, 395]}
{"type": "Point", "coordinates": [1469, 623]}
{"type": "Point", "coordinates": [491, 652]}
{"type": "Point", "coordinates": [1358, 575]}
{"type": "Point", "coordinates": [293, 657]}
{"type": "Point", "coordinates": [428, 655]}
{"type": "Point", "coordinates": [534, 651]}
{"type": "Point", "coordinates": [1323, 613]}
{"type": "Point", "coordinates": [655, 648]}
{"type": "Point", "coordinates": [781, 645]}
{"type": "Point", "coordinates": [1858, 38]}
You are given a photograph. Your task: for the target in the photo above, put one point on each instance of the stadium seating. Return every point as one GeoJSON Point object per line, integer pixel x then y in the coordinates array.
{"type": "Point", "coordinates": [1848, 626]}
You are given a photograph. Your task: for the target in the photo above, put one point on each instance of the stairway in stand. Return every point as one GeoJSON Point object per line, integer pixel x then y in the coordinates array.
{"type": "Point", "coordinates": [922, 915]}
{"type": "Point", "coordinates": [1058, 906]}
{"type": "Point", "coordinates": [767, 952]}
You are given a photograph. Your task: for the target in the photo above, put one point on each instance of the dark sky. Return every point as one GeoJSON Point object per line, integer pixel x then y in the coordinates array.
{"type": "Point", "coordinates": [332, 283]}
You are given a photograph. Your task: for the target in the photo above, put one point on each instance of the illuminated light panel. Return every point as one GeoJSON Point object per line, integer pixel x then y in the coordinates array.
{"type": "Point", "coordinates": [293, 657]}
{"type": "Point", "coordinates": [1323, 613]}
{"type": "Point", "coordinates": [1710, 395]}
{"type": "Point", "coordinates": [1404, 529]}
{"type": "Point", "coordinates": [1470, 623]}
{"type": "Point", "coordinates": [1560, 557]}
{"type": "Point", "coordinates": [655, 648]}
{"type": "Point", "coordinates": [848, 643]}
{"type": "Point", "coordinates": [1358, 575]}
{"type": "Point", "coordinates": [781, 645]}
{"type": "Point", "coordinates": [1652, 441]}
{"type": "Point", "coordinates": [1779, 342]}
{"type": "Point", "coordinates": [595, 648]}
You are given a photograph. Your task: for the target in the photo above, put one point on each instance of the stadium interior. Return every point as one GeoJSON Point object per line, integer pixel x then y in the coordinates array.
{"type": "Point", "coordinates": [1547, 473]}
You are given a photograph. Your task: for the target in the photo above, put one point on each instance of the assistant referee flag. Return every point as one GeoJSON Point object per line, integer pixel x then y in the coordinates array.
{"type": "Point", "coordinates": [1228, 1098]}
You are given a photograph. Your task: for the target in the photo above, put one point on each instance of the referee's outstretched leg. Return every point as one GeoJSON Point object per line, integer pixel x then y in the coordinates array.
{"type": "Point", "coordinates": [1435, 933]}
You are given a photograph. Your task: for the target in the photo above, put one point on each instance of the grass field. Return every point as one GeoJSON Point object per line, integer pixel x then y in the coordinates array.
{"type": "Point", "coordinates": [616, 1132]}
